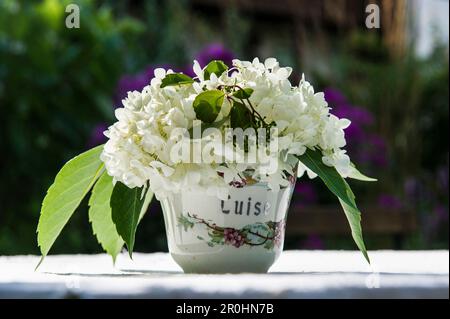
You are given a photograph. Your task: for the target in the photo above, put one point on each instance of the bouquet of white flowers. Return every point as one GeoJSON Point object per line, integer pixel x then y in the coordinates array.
{"type": "Point", "coordinates": [224, 128]}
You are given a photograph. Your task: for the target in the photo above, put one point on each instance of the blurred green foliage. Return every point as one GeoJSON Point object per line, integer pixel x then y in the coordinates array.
{"type": "Point", "coordinates": [55, 84]}
{"type": "Point", "coordinates": [409, 97]}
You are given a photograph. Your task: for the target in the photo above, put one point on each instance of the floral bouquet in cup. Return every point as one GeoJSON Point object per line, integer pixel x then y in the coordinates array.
{"type": "Point", "coordinates": [224, 128]}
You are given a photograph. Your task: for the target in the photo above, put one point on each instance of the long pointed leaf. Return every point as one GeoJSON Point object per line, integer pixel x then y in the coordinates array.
{"type": "Point", "coordinates": [335, 183]}
{"type": "Point", "coordinates": [356, 174]}
{"type": "Point", "coordinates": [147, 200]}
{"type": "Point", "coordinates": [338, 186]}
{"type": "Point", "coordinates": [354, 219]}
{"type": "Point", "coordinates": [71, 185]}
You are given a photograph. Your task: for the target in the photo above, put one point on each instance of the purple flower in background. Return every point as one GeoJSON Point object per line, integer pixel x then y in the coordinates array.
{"type": "Point", "coordinates": [376, 151]}
{"type": "Point", "coordinates": [438, 218]}
{"type": "Point", "coordinates": [313, 242]}
{"type": "Point", "coordinates": [305, 194]}
{"type": "Point", "coordinates": [131, 83]}
{"type": "Point", "coordinates": [441, 213]}
{"type": "Point", "coordinates": [442, 178]}
{"type": "Point", "coordinates": [334, 97]}
{"type": "Point", "coordinates": [364, 146]}
{"type": "Point", "coordinates": [137, 82]}
{"type": "Point", "coordinates": [360, 117]}
{"type": "Point", "coordinates": [361, 120]}
{"type": "Point", "coordinates": [215, 51]}
{"type": "Point", "coordinates": [412, 189]}
{"type": "Point", "coordinates": [134, 82]}
{"type": "Point", "coordinates": [97, 137]}
{"type": "Point", "coordinates": [371, 150]}
{"type": "Point", "coordinates": [389, 201]}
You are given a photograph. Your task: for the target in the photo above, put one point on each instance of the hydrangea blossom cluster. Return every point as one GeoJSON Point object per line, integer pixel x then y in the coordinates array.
{"type": "Point", "coordinates": [140, 142]}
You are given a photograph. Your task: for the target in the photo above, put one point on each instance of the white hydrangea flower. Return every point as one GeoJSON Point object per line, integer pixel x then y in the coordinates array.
{"type": "Point", "coordinates": [140, 142]}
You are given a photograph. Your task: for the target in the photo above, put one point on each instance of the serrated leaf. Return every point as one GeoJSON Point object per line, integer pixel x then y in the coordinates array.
{"type": "Point", "coordinates": [216, 66]}
{"type": "Point", "coordinates": [240, 116]}
{"type": "Point", "coordinates": [207, 105]}
{"type": "Point", "coordinates": [100, 216]}
{"type": "Point", "coordinates": [339, 187]}
{"type": "Point", "coordinates": [356, 174]}
{"type": "Point", "coordinates": [176, 79]}
{"type": "Point", "coordinates": [126, 207]}
{"type": "Point", "coordinates": [71, 185]}
{"type": "Point", "coordinates": [243, 94]}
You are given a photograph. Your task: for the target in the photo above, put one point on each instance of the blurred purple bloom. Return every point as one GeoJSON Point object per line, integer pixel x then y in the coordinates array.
{"type": "Point", "coordinates": [412, 189]}
{"type": "Point", "coordinates": [97, 137]}
{"type": "Point", "coordinates": [364, 146]}
{"type": "Point", "coordinates": [442, 178]}
{"type": "Point", "coordinates": [305, 193]}
{"type": "Point", "coordinates": [438, 217]}
{"type": "Point", "coordinates": [215, 51]}
{"type": "Point", "coordinates": [389, 201]}
{"type": "Point", "coordinates": [129, 83]}
{"type": "Point", "coordinates": [134, 82]}
{"type": "Point", "coordinates": [313, 242]}
{"type": "Point", "coordinates": [342, 108]}
{"type": "Point", "coordinates": [441, 213]}
{"type": "Point", "coordinates": [357, 114]}
{"type": "Point", "coordinates": [334, 97]}
{"type": "Point", "coordinates": [372, 151]}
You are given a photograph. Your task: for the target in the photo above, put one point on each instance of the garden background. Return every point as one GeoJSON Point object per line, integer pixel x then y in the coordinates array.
{"type": "Point", "coordinates": [59, 88]}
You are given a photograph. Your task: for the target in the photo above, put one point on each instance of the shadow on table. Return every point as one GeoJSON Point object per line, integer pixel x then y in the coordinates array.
{"type": "Point", "coordinates": [159, 273]}
{"type": "Point", "coordinates": [123, 273]}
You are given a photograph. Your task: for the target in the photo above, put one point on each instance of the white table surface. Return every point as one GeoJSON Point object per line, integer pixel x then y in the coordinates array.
{"type": "Point", "coordinates": [297, 274]}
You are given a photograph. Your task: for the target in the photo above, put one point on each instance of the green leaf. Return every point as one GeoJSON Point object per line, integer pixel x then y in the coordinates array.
{"type": "Point", "coordinates": [71, 185]}
{"type": "Point", "coordinates": [243, 94]}
{"type": "Point", "coordinates": [335, 183]}
{"type": "Point", "coordinates": [354, 219]}
{"type": "Point", "coordinates": [207, 105]}
{"type": "Point", "coordinates": [126, 205]}
{"type": "Point", "coordinates": [101, 217]}
{"type": "Point", "coordinates": [185, 222]}
{"type": "Point", "coordinates": [217, 67]}
{"type": "Point", "coordinates": [176, 79]}
{"type": "Point", "coordinates": [338, 186]}
{"type": "Point", "coordinates": [147, 200]}
{"type": "Point", "coordinates": [356, 174]}
{"type": "Point", "coordinates": [240, 116]}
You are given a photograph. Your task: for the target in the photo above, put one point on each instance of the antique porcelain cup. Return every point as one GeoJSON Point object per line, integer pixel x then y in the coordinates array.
{"type": "Point", "coordinates": [242, 234]}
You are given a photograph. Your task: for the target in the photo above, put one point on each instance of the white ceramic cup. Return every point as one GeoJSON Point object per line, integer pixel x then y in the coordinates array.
{"type": "Point", "coordinates": [242, 234]}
